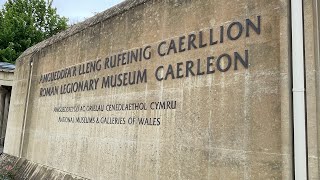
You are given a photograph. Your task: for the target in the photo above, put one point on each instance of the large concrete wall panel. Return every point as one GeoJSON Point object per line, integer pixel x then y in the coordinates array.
{"type": "Point", "coordinates": [17, 108]}
{"type": "Point", "coordinates": [311, 42]}
{"type": "Point", "coordinates": [233, 123]}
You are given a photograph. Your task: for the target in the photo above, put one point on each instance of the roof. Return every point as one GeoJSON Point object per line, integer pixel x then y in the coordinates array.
{"type": "Point", "coordinates": [7, 67]}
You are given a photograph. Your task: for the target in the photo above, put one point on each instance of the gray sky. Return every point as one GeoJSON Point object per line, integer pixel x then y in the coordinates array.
{"type": "Point", "coordinates": [78, 10]}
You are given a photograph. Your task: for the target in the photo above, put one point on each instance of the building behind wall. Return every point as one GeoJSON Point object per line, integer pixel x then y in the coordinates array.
{"type": "Point", "coordinates": [6, 82]}
{"type": "Point", "coordinates": [173, 89]}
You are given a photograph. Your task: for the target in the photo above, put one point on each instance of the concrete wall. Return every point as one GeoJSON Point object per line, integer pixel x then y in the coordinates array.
{"type": "Point", "coordinates": [17, 108]}
{"type": "Point", "coordinates": [6, 78]}
{"type": "Point", "coordinates": [231, 124]}
{"type": "Point", "coordinates": [311, 28]}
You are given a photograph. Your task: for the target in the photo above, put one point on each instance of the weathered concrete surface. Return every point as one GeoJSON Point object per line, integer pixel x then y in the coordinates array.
{"type": "Point", "coordinates": [227, 125]}
{"type": "Point", "coordinates": [20, 168]}
{"type": "Point", "coordinates": [6, 78]}
{"type": "Point", "coordinates": [312, 64]}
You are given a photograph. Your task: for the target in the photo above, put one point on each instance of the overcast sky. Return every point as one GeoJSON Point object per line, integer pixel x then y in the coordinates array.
{"type": "Point", "coordinates": [78, 10]}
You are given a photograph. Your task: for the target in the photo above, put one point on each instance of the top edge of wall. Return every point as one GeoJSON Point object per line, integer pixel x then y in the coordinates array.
{"type": "Point", "coordinates": [100, 17]}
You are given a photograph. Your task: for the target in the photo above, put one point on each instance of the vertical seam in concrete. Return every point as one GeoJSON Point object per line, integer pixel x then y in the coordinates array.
{"type": "Point", "coordinates": [305, 89]}
{"type": "Point", "coordinates": [26, 106]}
{"type": "Point", "coordinates": [290, 86]}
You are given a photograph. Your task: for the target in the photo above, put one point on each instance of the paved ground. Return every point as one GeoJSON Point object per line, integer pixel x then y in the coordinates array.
{"type": "Point", "coordinates": [20, 168]}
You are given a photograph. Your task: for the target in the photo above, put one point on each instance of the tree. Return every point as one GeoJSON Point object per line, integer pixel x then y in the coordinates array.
{"type": "Point", "coordinates": [24, 23]}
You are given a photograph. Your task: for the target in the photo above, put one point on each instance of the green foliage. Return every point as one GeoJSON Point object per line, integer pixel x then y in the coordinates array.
{"type": "Point", "coordinates": [7, 174]}
{"type": "Point", "coordinates": [23, 23]}
{"type": "Point", "coordinates": [6, 177]}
